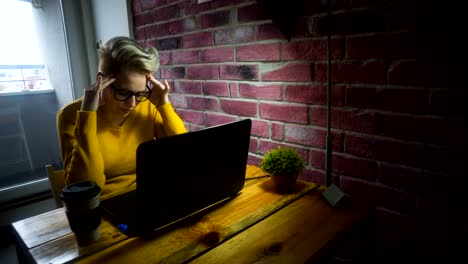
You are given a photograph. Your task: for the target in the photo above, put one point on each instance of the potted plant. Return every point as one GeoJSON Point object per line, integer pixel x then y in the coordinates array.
{"type": "Point", "coordinates": [284, 165]}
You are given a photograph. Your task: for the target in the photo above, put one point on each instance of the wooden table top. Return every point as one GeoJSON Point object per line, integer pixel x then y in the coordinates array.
{"type": "Point", "coordinates": [258, 224]}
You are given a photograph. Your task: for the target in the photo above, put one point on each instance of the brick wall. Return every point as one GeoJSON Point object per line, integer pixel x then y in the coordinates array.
{"type": "Point", "coordinates": [398, 103]}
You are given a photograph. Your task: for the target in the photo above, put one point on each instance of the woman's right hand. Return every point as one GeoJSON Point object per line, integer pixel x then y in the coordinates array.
{"type": "Point", "coordinates": [93, 93]}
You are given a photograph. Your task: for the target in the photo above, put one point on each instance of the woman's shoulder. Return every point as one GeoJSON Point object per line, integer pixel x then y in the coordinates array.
{"type": "Point", "coordinates": [69, 110]}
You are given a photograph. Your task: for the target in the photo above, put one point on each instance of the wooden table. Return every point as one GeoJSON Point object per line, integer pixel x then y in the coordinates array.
{"type": "Point", "coordinates": [257, 225]}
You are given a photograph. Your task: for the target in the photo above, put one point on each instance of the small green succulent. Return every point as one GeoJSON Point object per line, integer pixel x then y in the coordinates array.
{"type": "Point", "coordinates": [282, 161]}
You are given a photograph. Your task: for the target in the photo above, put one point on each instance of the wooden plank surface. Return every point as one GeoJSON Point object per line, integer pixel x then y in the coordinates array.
{"type": "Point", "coordinates": [51, 225]}
{"type": "Point", "coordinates": [42, 228]}
{"type": "Point", "coordinates": [256, 202]}
{"type": "Point", "coordinates": [302, 229]}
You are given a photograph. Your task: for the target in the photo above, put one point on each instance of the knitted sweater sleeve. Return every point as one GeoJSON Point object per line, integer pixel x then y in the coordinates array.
{"type": "Point", "coordinates": [81, 154]}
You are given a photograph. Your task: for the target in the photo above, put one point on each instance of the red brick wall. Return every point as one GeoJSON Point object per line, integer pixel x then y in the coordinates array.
{"type": "Point", "coordinates": [398, 122]}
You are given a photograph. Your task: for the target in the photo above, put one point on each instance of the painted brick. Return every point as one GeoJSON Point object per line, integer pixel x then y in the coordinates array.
{"type": "Point", "coordinates": [314, 27]}
{"type": "Point", "coordinates": [167, 12]}
{"type": "Point", "coordinates": [215, 19]}
{"type": "Point", "coordinates": [268, 32]}
{"type": "Point", "coordinates": [361, 21]}
{"type": "Point", "coordinates": [262, 52]}
{"type": "Point", "coordinates": [173, 72]}
{"type": "Point", "coordinates": [395, 100]}
{"type": "Point", "coordinates": [388, 221]}
{"type": "Point", "coordinates": [399, 177]}
{"type": "Point", "coordinates": [143, 19]}
{"type": "Point", "coordinates": [253, 145]}
{"type": "Point", "coordinates": [191, 116]}
{"type": "Point", "coordinates": [181, 57]}
{"type": "Point", "coordinates": [314, 94]}
{"type": "Point", "coordinates": [314, 176]}
{"type": "Point", "coordinates": [382, 46]}
{"type": "Point", "coordinates": [305, 135]}
{"type": "Point", "coordinates": [239, 72]}
{"type": "Point", "coordinates": [136, 7]}
{"type": "Point", "coordinates": [192, 7]}
{"type": "Point", "coordinates": [251, 13]}
{"type": "Point", "coordinates": [284, 112]}
{"type": "Point", "coordinates": [201, 39]}
{"type": "Point", "coordinates": [171, 85]}
{"type": "Point", "coordinates": [311, 50]}
{"type": "Point", "coordinates": [217, 55]}
{"type": "Point", "coordinates": [260, 128]}
{"type": "Point", "coordinates": [224, 3]}
{"type": "Point", "coordinates": [164, 58]}
{"type": "Point", "coordinates": [317, 158]}
{"type": "Point", "coordinates": [234, 89]}
{"type": "Point", "coordinates": [148, 4]}
{"type": "Point", "coordinates": [444, 160]}
{"type": "Point", "coordinates": [174, 27]}
{"type": "Point", "coordinates": [152, 43]}
{"type": "Point", "coordinates": [200, 103]}
{"type": "Point", "coordinates": [315, 7]}
{"type": "Point", "coordinates": [178, 100]}
{"type": "Point", "coordinates": [152, 31]}
{"type": "Point", "coordinates": [161, 30]}
{"type": "Point", "coordinates": [215, 88]}
{"type": "Point", "coordinates": [179, 26]}
{"type": "Point", "coordinates": [237, 107]}
{"type": "Point", "coordinates": [313, 137]}
{"type": "Point", "coordinates": [139, 33]}
{"type": "Point", "coordinates": [266, 146]}
{"type": "Point", "coordinates": [426, 74]}
{"type": "Point", "coordinates": [429, 181]}
{"type": "Point", "coordinates": [193, 127]}
{"type": "Point", "coordinates": [157, 74]}
{"type": "Point", "coordinates": [384, 197]}
{"type": "Point", "coordinates": [359, 121]}
{"type": "Point", "coordinates": [385, 150]}
{"type": "Point", "coordinates": [190, 24]}
{"type": "Point", "coordinates": [239, 34]}
{"type": "Point", "coordinates": [421, 129]}
{"type": "Point", "coordinates": [218, 119]}
{"type": "Point", "coordinates": [356, 168]}
{"type": "Point", "coordinates": [267, 92]}
{"type": "Point", "coordinates": [253, 160]}
{"type": "Point", "coordinates": [184, 87]}
{"type": "Point", "coordinates": [290, 72]}
{"type": "Point", "coordinates": [401, 16]}
{"type": "Point", "coordinates": [277, 131]}
{"type": "Point", "coordinates": [169, 43]}
{"type": "Point", "coordinates": [449, 102]}
{"type": "Point", "coordinates": [372, 72]}
{"type": "Point", "coordinates": [204, 72]}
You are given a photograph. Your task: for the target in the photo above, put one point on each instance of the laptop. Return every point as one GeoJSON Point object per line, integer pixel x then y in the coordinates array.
{"type": "Point", "coordinates": [181, 176]}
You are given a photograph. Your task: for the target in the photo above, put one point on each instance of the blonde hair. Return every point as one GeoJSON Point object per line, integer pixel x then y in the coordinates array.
{"type": "Point", "coordinates": [121, 54]}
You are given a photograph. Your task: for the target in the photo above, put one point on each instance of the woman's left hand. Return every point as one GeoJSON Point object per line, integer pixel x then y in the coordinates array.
{"type": "Point", "coordinates": [159, 91]}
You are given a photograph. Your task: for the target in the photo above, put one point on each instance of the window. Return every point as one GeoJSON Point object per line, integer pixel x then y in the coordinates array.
{"type": "Point", "coordinates": [22, 68]}
{"type": "Point", "coordinates": [35, 81]}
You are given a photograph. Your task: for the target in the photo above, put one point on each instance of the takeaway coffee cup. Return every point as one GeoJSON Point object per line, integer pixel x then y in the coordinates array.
{"type": "Point", "coordinates": [81, 200]}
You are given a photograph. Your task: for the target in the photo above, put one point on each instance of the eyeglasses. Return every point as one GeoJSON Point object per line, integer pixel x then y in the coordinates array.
{"type": "Point", "coordinates": [124, 94]}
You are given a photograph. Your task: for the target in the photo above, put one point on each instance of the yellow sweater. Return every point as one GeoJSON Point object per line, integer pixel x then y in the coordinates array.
{"type": "Point", "coordinates": [94, 149]}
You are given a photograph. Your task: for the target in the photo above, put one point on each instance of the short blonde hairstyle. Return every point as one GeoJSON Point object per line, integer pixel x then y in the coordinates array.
{"type": "Point", "coordinates": [121, 54]}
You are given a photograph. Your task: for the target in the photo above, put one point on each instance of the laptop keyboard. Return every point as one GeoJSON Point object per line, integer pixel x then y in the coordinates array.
{"type": "Point", "coordinates": [121, 205]}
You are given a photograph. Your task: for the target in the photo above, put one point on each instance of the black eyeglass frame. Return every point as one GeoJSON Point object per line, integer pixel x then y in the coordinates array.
{"type": "Point", "coordinates": [130, 94]}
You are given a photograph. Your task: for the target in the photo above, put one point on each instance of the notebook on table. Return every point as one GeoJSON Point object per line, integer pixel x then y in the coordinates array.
{"type": "Point", "coordinates": [181, 176]}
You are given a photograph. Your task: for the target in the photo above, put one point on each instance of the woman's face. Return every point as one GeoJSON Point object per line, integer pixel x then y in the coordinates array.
{"type": "Point", "coordinates": [127, 81]}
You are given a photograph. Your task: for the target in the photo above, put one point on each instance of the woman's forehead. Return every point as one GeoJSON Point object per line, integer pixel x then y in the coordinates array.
{"type": "Point", "coordinates": [132, 81]}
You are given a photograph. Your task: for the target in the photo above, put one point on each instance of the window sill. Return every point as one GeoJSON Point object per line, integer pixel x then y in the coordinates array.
{"type": "Point", "coordinates": [25, 92]}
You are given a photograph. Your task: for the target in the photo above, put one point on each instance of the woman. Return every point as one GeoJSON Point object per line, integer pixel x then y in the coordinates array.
{"type": "Point", "coordinates": [100, 132]}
